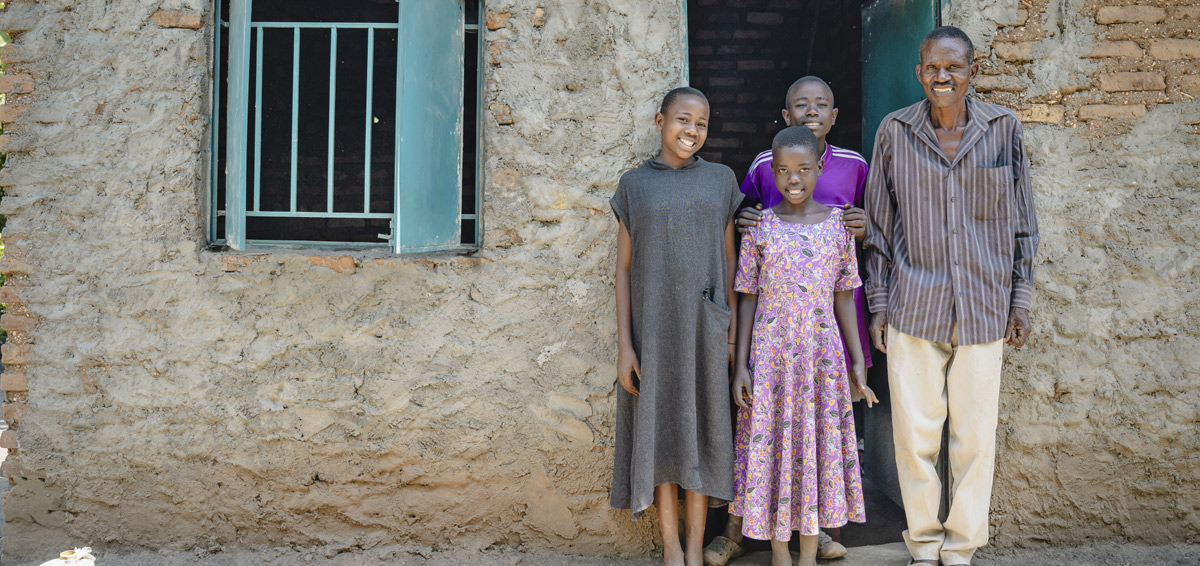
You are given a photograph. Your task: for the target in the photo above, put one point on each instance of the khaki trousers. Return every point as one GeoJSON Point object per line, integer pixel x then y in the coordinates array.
{"type": "Point", "coordinates": [929, 381]}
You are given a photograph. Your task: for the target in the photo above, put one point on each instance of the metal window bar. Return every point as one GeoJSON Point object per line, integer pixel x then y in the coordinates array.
{"type": "Point", "coordinates": [239, 28]}
{"type": "Point", "coordinates": [292, 212]}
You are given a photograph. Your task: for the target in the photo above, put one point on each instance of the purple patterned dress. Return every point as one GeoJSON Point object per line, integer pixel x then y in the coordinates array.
{"type": "Point", "coordinates": [796, 466]}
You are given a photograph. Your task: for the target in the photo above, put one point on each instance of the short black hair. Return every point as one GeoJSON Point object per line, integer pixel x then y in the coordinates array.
{"type": "Point", "coordinates": [670, 98]}
{"type": "Point", "coordinates": [949, 32]}
{"type": "Point", "coordinates": [798, 137]}
{"type": "Point", "coordinates": [803, 80]}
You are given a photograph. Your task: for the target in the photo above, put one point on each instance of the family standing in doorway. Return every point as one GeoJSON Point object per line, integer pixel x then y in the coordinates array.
{"type": "Point", "coordinates": [949, 234]}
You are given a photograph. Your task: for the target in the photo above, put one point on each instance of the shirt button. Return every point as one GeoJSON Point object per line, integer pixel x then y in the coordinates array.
{"type": "Point", "coordinates": [954, 231]}
{"type": "Point", "coordinates": [956, 262]}
{"type": "Point", "coordinates": [952, 199]}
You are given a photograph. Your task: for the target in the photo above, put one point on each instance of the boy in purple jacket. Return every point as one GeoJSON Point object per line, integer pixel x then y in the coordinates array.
{"type": "Point", "coordinates": [810, 104]}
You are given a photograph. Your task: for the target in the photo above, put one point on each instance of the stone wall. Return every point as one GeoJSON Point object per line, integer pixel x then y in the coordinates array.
{"type": "Point", "coordinates": [165, 396]}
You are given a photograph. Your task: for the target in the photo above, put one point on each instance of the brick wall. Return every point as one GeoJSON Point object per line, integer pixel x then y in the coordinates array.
{"type": "Point", "coordinates": [745, 53]}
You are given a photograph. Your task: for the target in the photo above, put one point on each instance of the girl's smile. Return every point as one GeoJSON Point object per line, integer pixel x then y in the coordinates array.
{"type": "Point", "coordinates": [684, 128]}
{"type": "Point", "coordinates": [796, 171]}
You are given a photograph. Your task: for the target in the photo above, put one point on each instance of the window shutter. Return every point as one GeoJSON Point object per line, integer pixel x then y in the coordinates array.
{"type": "Point", "coordinates": [429, 157]}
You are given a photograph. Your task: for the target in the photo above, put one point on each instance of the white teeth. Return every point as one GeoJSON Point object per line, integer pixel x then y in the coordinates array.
{"type": "Point", "coordinates": [688, 143]}
{"type": "Point", "coordinates": [812, 123]}
{"type": "Point", "coordinates": [942, 89]}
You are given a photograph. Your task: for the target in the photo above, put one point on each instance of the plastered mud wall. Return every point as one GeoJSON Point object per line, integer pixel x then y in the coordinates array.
{"type": "Point", "coordinates": [165, 396]}
{"type": "Point", "coordinates": [1099, 411]}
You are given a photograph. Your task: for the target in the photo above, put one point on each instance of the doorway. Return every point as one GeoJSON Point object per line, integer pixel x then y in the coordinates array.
{"type": "Point", "coordinates": [744, 54]}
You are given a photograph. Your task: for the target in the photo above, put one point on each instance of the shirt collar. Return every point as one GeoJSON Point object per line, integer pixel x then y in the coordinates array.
{"type": "Point", "coordinates": [977, 111]}
{"type": "Point", "coordinates": [979, 117]}
{"type": "Point", "coordinates": [656, 164]}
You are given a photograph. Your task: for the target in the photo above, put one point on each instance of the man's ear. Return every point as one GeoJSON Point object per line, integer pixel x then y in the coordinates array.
{"type": "Point", "coordinates": [658, 119]}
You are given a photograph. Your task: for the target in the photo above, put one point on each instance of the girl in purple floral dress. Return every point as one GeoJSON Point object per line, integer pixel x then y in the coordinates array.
{"type": "Point", "coordinates": [796, 466]}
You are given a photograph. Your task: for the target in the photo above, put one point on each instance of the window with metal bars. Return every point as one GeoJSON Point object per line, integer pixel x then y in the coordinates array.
{"type": "Point", "coordinates": [346, 124]}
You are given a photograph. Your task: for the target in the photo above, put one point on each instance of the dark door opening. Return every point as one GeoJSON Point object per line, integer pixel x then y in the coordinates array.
{"type": "Point", "coordinates": [744, 54]}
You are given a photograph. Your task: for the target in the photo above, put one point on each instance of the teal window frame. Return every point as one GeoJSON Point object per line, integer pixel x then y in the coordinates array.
{"type": "Point", "coordinates": [428, 211]}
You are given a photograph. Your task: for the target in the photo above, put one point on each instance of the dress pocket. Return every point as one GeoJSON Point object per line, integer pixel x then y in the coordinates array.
{"type": "Point", "coordinates": [992, 192]}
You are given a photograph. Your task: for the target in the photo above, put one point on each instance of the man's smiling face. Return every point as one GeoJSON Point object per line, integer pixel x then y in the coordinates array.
{"type": "Point", "coordinates": [945, 71]}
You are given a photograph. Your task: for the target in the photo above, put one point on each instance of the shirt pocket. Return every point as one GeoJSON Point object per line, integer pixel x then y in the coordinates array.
{"type": "Point", "coordinates": [992, 190]}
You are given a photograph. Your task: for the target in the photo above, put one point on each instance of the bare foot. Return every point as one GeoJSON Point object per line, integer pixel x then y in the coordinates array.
{"type": "Point", "coordinates": [780, 555]}
{"type": "Point", "coordinates": [808, 550]}
{"type": "Point", "coordinates": [673, 556]}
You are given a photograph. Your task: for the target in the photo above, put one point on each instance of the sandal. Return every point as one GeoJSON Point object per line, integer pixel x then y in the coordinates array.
{"type": "Point", "coordinates": [721, 550]}
{"type": "Point", "coordinates": [929, 561]}
{"type": "Point", "coordinates": [827, 548]}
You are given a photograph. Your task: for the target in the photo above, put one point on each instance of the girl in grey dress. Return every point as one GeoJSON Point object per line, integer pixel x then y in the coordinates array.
{"type": "Point", "coordinates": [675, 266]}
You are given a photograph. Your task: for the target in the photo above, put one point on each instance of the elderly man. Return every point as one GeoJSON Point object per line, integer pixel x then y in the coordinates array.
{"type": "Point", "coordinates": [950, 265]}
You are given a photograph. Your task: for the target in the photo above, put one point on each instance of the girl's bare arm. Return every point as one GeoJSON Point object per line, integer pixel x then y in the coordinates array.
{"type": "Point", "coordinates": [627, 360]}
{"type": "Point", "coordinates": [731, 254]}
{"type": "Point", "coordinates": [847, 318]}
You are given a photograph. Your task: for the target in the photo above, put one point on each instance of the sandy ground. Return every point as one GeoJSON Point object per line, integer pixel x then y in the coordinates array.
{"type": "Point", "coordinates": [883, 555]}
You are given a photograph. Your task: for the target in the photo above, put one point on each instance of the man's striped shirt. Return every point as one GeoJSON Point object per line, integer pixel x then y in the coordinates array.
{"type": "Point", "coordinates": [950, 243]}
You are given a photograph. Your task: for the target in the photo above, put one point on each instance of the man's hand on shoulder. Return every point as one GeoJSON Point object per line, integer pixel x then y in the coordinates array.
{"type": "Point", "coordinates": [1018, 327]}
{"type": "Point", "coordinates": [748, 217]}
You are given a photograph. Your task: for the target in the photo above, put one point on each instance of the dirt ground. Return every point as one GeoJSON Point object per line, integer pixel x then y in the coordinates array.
{"type": "Point", "coordinates": [886, 555]}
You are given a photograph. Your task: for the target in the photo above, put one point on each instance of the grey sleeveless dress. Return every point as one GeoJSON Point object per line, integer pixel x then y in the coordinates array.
{"type": "Point", "coordinates": [678, 429]}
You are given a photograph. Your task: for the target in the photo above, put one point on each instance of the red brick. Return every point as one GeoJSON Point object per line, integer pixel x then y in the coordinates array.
{"type": "Point", "coordinates": [1022, 17]}
{"type": "Point", "coordinates": [1014, 51]}
{"type": "Point", "coordinates": [1121, 82]}
{"type": "Point", "coordinates": [502, 113]}
{"type": "Point", "coordinates": [11, 379]}
{"type": "Point", "coordinates": [10, 264]}
{"type": "Point", "coordinates": [1186, 12]}
{"type": "Point", "coordinates": [8, 439]}
{"type": "Point", "coordinates": [13, 54]}
{"type": "Point", "coordinates": [9, 112]}
{"type": "Point", "coordinates": [1043, 113]}
{"type": "Point", "coordinates": [12, 468]}
{"type": "Point", "coordinates": [1130, 14]}
{"type": "Point", "coordinates": [10, 322]}
{"type": "Point", "coordinates": [1174, 49]}
{"type": "Point", "coordinates": [1190, 83]}
{"type": "Point", "coordinates": [176, 19]}
{"type": "Point", "coordinates": [1115, 49]}
{"type": "Point", "coordinates": [1111, 111]}
{"type": "Point", "coordinates": [739, 127]}
{"type": "Point", "coordinates": [13, 412]}
{"type": "Point", "coordinates": [751, 34]}
{"type": "Point", "coordinates": [764, 18]}
{"type": "Point", "coordinates": [497, 20]}
{"type": "Point", "coordinates": [342, 264]}
{"type": "Point", "coordinates": [8, 295]}
{"type": "Point", "coordinates": [16, 84]}
{"type": "Point", "coordinates": [1005, 83]}
{"type": "Point", "coordinates": [756, 65]}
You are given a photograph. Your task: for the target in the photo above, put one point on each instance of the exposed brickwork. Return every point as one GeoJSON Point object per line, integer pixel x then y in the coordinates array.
{"type": "Point", "coordinates": [177, 19]}
{"type": "Point", "coordinates": [1116, 49]}
{"type": "Point", "coordinates": [1131, 81]}
{"type": "Point", "coordinates": [1014, 51]}
{"type": "Point", "coordinates": [1046, 113]}
{"type": "Point", "coordinates": [1111, 111]}
{"type": "Point", "coordinates": [1175, 49]}
{"type": "Point", "coordinates": [744, 53]}
{"type": "Point", "coordinates": [1129, 14]}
